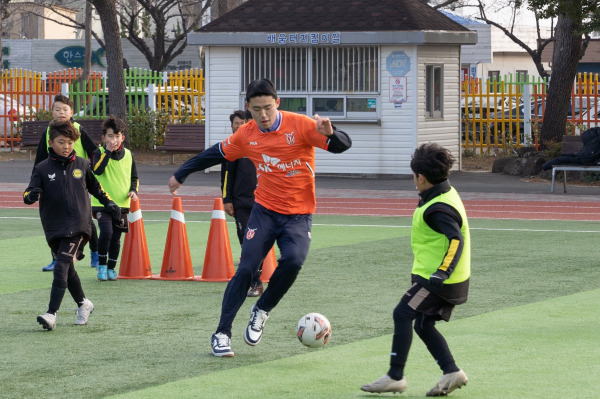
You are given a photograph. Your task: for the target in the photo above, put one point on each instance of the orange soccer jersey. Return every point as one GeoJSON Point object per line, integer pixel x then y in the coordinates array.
{"type": "Point", "coordinates": [284, 160]}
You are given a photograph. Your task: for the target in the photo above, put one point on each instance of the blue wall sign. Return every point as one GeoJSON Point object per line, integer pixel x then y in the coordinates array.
{"type": "Point", "coordinates": [72, 56]}
{"type": "Point", "coordinates": [398, 63]}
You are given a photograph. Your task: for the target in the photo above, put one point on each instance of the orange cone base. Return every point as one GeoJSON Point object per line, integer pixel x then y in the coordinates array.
{"type": "Point", "coordinates": [133, 278]}
{"type": "Point", "coordinates": [213, 280]}
{"type": "Point", "coordinates": [158, 277]}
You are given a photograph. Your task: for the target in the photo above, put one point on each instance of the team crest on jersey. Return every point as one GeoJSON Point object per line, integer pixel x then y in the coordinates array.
{"type": "Point", "coordinates": [289, 137]}
{"type": "Point", "coordinates": [77, 173]}
{"type": "Point", "coordinates": [52, 176]}
{"type": "Point", "coordinates": [250, 234]}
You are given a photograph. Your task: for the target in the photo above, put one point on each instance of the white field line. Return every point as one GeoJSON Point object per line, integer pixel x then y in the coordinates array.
{"type": "Point", "coordinates": [365, 225]}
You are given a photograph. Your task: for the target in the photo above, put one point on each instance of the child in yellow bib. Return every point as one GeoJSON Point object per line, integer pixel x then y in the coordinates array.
{"type": "Point", "coordinates": [115, 169]}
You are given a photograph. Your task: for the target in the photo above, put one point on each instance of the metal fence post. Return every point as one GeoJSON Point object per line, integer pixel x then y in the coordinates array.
{"type": "Point", "coordinates": [151, 97]}
{"type": "Point", "coordinates": [527, 113]}
{"type": "Point", "coordinates": [64, 89]}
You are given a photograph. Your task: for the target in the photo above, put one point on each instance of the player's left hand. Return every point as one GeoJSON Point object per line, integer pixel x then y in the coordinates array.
{"type": "Point", "coordinates": [437, 279]}
{"type": "Point", "coordinates": [323, 125]}
{"type": "Point", "coordinates": [133, 196]}
{"type": "Point", "coordinates": [114, 210]}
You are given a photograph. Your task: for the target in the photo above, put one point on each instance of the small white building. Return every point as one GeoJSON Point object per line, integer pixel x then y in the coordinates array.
{"type": "Point", "coordinates": [386, 72]}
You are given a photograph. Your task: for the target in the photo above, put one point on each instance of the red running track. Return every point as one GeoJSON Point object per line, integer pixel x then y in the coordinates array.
{"type": "Point", "coordinates": [483, 209]}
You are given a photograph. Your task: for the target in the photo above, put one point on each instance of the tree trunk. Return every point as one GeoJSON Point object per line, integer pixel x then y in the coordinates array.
{"type": "Point", "coordinates": [107, 11]}
{"type": "Point", "coordinates": [567, 52]}
{"type": "Point", "coordinates": [87, 58]}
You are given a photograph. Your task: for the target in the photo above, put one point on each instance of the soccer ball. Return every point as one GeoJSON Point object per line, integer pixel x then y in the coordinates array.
{"type": "Point", "coordinates": [313, 330]}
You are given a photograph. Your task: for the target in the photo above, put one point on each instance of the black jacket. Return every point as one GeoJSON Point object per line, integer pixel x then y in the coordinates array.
{"type": "Point", "coordinates": [65, 208]}
{"type": "Point", "coordinates": [239, 183]}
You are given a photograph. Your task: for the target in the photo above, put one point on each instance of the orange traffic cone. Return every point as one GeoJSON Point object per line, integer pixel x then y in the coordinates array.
{"type": "Point", "coordinates": [177, 260]}
{"type": "Point", "coordinates": [135, 261]}
{"type": "Point", "coordinates": [218, 261]}
{"type": "Point", "coordinates": [269, 265]}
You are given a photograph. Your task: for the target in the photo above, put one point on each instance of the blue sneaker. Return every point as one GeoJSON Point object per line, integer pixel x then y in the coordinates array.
{"type": "Point", "coordinates": [112, 274]}
{"type": "Point", "coordinates": [50, 267]}
{"type": "Point", "coordinates": [95, 262]}
{"type": "Point", "coordinates": [102, 272]}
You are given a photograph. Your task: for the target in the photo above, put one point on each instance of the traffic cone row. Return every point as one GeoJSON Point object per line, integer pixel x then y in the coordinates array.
{"type": "Point", "coordinates": [177, 262]}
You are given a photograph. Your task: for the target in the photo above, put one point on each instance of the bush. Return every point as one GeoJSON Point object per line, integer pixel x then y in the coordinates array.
{"type": "Point", "coordinates": [141, 129]}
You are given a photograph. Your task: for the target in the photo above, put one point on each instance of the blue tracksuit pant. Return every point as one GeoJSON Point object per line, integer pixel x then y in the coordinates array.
{"type": "Point", "coordinates": [265, 227]}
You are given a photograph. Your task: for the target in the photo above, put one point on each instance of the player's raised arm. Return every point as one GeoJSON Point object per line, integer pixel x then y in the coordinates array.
{"type": "Point", "coordinates": [207, 158]}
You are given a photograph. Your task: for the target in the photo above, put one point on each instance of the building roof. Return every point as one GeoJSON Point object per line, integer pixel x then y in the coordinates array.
{"type": "Point", "coordinates": [464, 21]}
{"type": "Point", "coordinates": [332, 16]}
{"type": "Point", "coordinates": [592, 53]}
{"type": "Point", "coordinates": [345, 22]}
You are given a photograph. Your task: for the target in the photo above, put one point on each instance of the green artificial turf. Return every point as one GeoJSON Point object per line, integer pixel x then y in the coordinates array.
{"type": "Point", "coordinates": [529, 317]}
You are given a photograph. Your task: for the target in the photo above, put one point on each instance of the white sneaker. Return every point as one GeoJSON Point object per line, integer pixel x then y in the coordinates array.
{"type": "Point", "coordinates": [385, 384]}
{"type": "Point", "coordinates": [84, 311]}
{"type": "Point", "coordinates": [47, 320]}
{"type": "Point", "coordinates": [221, 345]}
{"type": "Point", "coordinates": [255, 327]}
{"type": "Point", "coordinates": [448, 383]}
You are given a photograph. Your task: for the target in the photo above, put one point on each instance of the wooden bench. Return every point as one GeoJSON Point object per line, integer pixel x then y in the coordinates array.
{"type": "Point", "coordinates": [31, 133]}
{"type": "Point", "coordinates": [570, 145]}
{"type": "Point", "coordinates": [183, 138]}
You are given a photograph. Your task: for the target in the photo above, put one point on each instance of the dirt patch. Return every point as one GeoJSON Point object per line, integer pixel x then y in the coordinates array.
{"type": "Point", "coordinates": [478, 163]}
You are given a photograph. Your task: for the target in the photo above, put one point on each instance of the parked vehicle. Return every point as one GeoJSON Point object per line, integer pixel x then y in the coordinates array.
{"type": "Point", "coordinates": [179, 101]}
{"type": "Point", "coordinates": [588, 119]}
{"type": "Point", "coordinates": [11, 112]}
{"type": "Point", "coordinates": [514, 118]}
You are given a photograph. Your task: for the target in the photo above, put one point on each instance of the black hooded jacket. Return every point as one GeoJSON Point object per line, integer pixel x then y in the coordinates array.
{"type": "Point", "coordinates": [65, 208]}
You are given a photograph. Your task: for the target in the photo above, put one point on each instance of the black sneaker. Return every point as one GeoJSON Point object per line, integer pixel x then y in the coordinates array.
{"type": "Point", "coordinates": [221, 345]}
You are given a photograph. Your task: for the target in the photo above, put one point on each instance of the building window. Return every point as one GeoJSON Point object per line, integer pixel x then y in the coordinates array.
{"type": "Point", "coordinates": [494, 75]}
{"type": "Point", "coordinates": [433, 91]}
{"type": "Point", "coordinates": [521, 76]}
{"type": "Point", "coordinates": [336, 81]}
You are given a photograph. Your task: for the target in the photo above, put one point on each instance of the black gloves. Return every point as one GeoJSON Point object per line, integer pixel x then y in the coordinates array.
{"type": "Point", "coordinates": [32, 196]}
{"type": "Point", "coordinates": [115, 211]}
{"type": "Point", "coordinates": [437, 279]}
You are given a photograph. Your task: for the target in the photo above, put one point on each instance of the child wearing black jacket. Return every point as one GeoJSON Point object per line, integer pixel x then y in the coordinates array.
{"type": "Point", "coordinates": [61, 183]}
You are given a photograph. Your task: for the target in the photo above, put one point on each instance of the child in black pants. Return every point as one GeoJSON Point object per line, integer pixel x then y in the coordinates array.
{"type": "Point", "coordinates": [115, 169]}
{"type": "Point", "coordinates": [61, 183]}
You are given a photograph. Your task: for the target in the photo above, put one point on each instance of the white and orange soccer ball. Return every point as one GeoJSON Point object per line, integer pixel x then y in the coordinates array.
{"type": "Point", "coordinates": [314, 330]}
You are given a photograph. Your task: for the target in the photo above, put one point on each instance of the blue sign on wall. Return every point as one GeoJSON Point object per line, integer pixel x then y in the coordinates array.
{"type": "Point", "coordinates": [72, 56]}
{"type": "Point", "coordinates": [398, 63]}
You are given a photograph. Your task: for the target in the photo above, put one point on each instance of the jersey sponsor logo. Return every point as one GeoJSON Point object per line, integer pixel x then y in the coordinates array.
{"type": "Point", "coordinates": [52, 177]}
{"type": "Point", "coordinates": [253, 143]}
{"type": "Point", "coordinates": [77, 173]}
{"type": "Point", "coordinates": [250, 234]}
{"type": "Point", "coordinates": [289, 137]}
{"type": "Point", "coordinates": [291, 173]}
{"type": "Point", "coordinates": [268, 162]}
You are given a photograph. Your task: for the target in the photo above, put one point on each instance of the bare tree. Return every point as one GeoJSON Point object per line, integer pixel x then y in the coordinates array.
{"type": "Point", "coordinates": [184, 16]}
{"type": "Point", "coordinates": [87, 58]}
{"type": "Point", "coordinates": [107, 10]}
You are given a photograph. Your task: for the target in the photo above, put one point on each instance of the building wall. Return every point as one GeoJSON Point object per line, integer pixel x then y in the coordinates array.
{"type": "Point", "coordinates": [38, 55]}
{"type": "Point", "coordinates": [510, 63]}
{"type": "Point", "coordinates": [446, 130]}
{"type": "Point", "coordinates": [377, 149]}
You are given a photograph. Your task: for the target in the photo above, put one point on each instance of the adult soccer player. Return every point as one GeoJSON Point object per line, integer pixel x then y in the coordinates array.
{"type": "Point", "coordinates": [281, 146]}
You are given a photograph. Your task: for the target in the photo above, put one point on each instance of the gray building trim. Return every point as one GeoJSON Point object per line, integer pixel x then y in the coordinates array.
{"type": "Point", "coordinates": [346, 38]}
